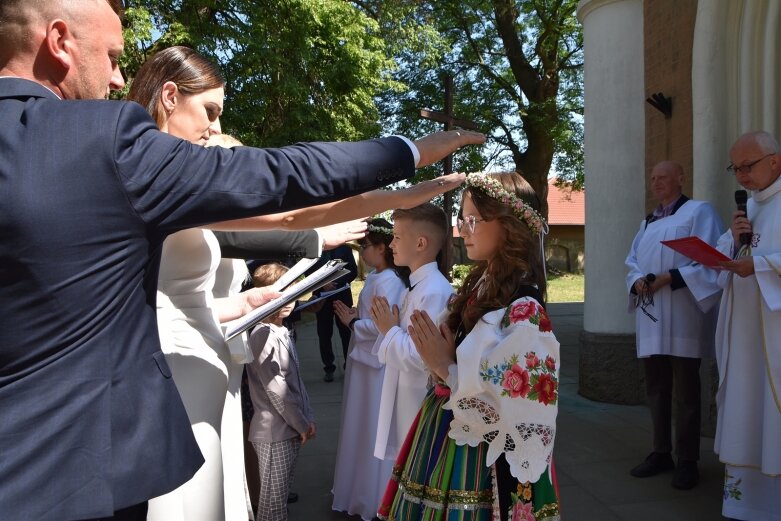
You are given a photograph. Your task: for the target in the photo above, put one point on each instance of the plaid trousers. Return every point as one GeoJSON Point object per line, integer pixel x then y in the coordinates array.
{"type": "Point", "coordinates": [276, 461]}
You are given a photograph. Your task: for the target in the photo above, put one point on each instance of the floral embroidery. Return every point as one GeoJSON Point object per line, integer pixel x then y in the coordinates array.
{"type": "Point", "coordinates": [516, 382]}
{"type": "Point", "coordinates": [732, 489]}
{"type": "Point", "coordinates": [528, 310]}
{"type": "Point", "coordinates": [536, 381]}
{"type": "Point", "coordinates": [546, 388]}
{"type": "Point", "coordinates": [524, 490]}
{"type": "Point", "coordinates": [521, 511]}
{"type": "Point", "coordinates": [522, 311]}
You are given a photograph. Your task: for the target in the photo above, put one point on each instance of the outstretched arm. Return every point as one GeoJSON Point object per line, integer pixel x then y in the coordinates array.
{"type": "Point", "coordinates": [356, 207]}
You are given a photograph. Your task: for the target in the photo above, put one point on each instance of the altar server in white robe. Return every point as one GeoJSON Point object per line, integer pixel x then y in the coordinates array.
{"type": "Point", "coordinates": [748, 338]}
{"type": "Point", "coordinates": [359, 477]}
{"type": "Point", "coordinates": [673, 299]}
{"type": "Point", "coordinates": [418, 237]}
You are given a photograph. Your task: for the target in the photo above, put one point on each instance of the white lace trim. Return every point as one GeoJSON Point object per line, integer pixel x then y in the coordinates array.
{"type": "Point", "coordinates": [528, 447]}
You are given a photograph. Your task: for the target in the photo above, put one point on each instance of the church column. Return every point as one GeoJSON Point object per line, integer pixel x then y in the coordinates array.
{"type": "Point", "coordinates": [615, 188]}
{"type": "Point", "coordinates": [735, 85]}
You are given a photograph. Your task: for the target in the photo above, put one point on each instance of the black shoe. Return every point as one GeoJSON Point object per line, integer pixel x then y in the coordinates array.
{"type": "Point", "coordinates": [329, 377]}
{"type": "Point", "coordinates": [292, 497]}
{"type": "Point", "coordinates": [654, 464]}
{"type": "Point", "coordinates": [686, 475]}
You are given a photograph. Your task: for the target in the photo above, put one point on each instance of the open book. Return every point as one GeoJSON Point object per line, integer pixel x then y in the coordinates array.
{"type": "Point", "coordinates": [329, 272]}
{"type": "Point", "coordinates": [698, 250]}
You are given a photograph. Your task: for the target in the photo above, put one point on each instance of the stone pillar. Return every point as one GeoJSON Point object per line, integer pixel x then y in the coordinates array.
{"type": "Point", "coordinates": [615, 189]}
{"type": "Point", "coordinates": [735, 86]}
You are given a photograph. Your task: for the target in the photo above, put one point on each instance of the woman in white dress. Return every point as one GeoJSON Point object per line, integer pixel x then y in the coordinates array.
{"type": "Point", "coordinates": [359, 477]}
{"type": "Point", "coordinates": [184, 94]}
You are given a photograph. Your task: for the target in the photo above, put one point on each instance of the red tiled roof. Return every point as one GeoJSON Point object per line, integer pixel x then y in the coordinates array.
{"type": "Point", "coordinates": [565, 206]}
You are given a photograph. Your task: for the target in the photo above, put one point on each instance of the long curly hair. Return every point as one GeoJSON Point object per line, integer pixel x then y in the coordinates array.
{"type": "Point", "coordinates": [517, 262]}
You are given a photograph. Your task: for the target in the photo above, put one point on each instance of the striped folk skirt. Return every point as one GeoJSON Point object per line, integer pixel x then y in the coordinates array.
{"type": "Point", "coordinates": [436, 480]}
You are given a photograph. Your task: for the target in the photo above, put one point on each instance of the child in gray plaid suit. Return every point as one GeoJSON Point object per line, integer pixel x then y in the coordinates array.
{"type": "Point", "coordinates": [283, 419]}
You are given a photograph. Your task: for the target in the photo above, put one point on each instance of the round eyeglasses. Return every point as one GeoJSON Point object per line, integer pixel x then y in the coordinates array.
{"type": "Point", "coordinates": [470, 221]}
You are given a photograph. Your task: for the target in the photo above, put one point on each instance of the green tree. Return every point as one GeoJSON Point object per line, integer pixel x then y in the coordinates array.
{"type": "Point", "coordinates": [517, 69]}
{"type": "Point", "coordinates": [296, 70]}
{"type": "Point", "coordinates": [339, 69]}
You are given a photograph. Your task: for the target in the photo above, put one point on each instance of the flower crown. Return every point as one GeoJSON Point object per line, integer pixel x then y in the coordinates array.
{"type": "Point", "coordinates": [491, 187]}
{"type": "Point", "coordinates": [379, 229]}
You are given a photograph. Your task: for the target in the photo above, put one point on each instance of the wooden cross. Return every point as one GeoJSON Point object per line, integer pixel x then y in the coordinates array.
{"type": "Point", "coordinates": [449, 121]}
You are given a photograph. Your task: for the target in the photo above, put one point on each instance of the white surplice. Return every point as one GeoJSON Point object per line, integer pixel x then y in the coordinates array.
{"type": "Point", "coordinates": [405, 380]}
{"type": "Point", "coordinates": [685, 316]}
{"type": "Point", "coordinates": [748, 352]}
{"type": "Point", "coordinates": [359, 477]}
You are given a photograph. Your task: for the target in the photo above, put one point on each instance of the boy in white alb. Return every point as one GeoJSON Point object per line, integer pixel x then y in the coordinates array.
{"type": "Point", "coordinates": [418, 236]}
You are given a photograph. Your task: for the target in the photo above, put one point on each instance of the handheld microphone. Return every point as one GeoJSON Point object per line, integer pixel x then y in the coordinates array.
{"type": "Point", "coordinates": [741, 198]}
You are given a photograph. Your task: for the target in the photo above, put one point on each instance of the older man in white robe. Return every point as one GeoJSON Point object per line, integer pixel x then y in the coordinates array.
{"type": "Point", "coordinates": [748, 338]}
{"type": "Point", "coordinates": [674, 300]}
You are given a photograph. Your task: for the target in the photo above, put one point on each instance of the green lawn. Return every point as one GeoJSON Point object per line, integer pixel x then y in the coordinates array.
{"type": "Point", "coordinates": [561, 288]}
{"type": "Point", "coordinates": [565, 288]}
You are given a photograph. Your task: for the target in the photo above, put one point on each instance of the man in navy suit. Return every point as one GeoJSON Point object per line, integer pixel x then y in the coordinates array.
{"type": "Point", "coordinates": [92, 424]}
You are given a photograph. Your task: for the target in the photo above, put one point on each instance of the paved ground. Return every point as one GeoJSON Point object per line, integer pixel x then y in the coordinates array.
{"type": "Point", "coordinates": [596, 445]}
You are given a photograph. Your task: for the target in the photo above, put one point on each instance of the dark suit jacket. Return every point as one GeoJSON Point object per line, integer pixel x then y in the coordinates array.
{"type": "Point", "coordinates": [275, 245]}
{"type": "Point", "coordinates": [90, 420]}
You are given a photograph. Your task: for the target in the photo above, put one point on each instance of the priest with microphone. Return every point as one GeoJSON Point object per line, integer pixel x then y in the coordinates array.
{"type": "Point", "coordinates": [748, 336]}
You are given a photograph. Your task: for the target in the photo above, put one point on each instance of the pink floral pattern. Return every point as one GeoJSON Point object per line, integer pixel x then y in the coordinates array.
{"type": "Point", "coordinates": [537, 381]}
{"type": "Point", "coordinates": [522, 311]}
{"type": "Point", "coordinates": [528, 310]}
{"type": "Point", "coordinates": [516, 382]}
{"type": "Point", "coordinates": [523, 512]}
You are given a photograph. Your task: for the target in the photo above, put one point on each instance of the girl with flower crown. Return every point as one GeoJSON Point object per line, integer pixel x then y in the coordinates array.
{"type": "Point", "coordinates": [359, 477]}
{"type": "Point", "coordinates": [481, 446]}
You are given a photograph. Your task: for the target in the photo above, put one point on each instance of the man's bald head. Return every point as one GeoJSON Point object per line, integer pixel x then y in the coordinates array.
{"type": "Point", "coordinates": [756, 159]}
{"type": "Point", "coordinates": [19, 18]}
{"type": "Point", "coordinates": [667, 181]}
{"type": "Point", "coordinates": [760, 141]}
{"type": "Point", "coordinates": [69, 46]}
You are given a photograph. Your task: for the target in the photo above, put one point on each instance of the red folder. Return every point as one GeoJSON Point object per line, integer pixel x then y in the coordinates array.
{"type": "Point", "coordinates": [698, 250]}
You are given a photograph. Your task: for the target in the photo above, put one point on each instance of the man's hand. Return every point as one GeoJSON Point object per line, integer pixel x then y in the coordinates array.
{"type": "Point", "coordinates": [662, 280]}
{"type": "Point", "coordinates": [337, 234]}
{"type": "Point", "coordinates": [640, 285]}
{"type": "Point", "coordinates": [344, 313]}
{"type": "Point", "coordinates": [436, 345]}
{"type": "Point", "coordinates": [740, 224]}
{"type": "Point", "coordinates": [382, 315]}
{"type": "Point", "coordinates": [742, 267]}
{"type": "Point", "coordinates": [439, 145]}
